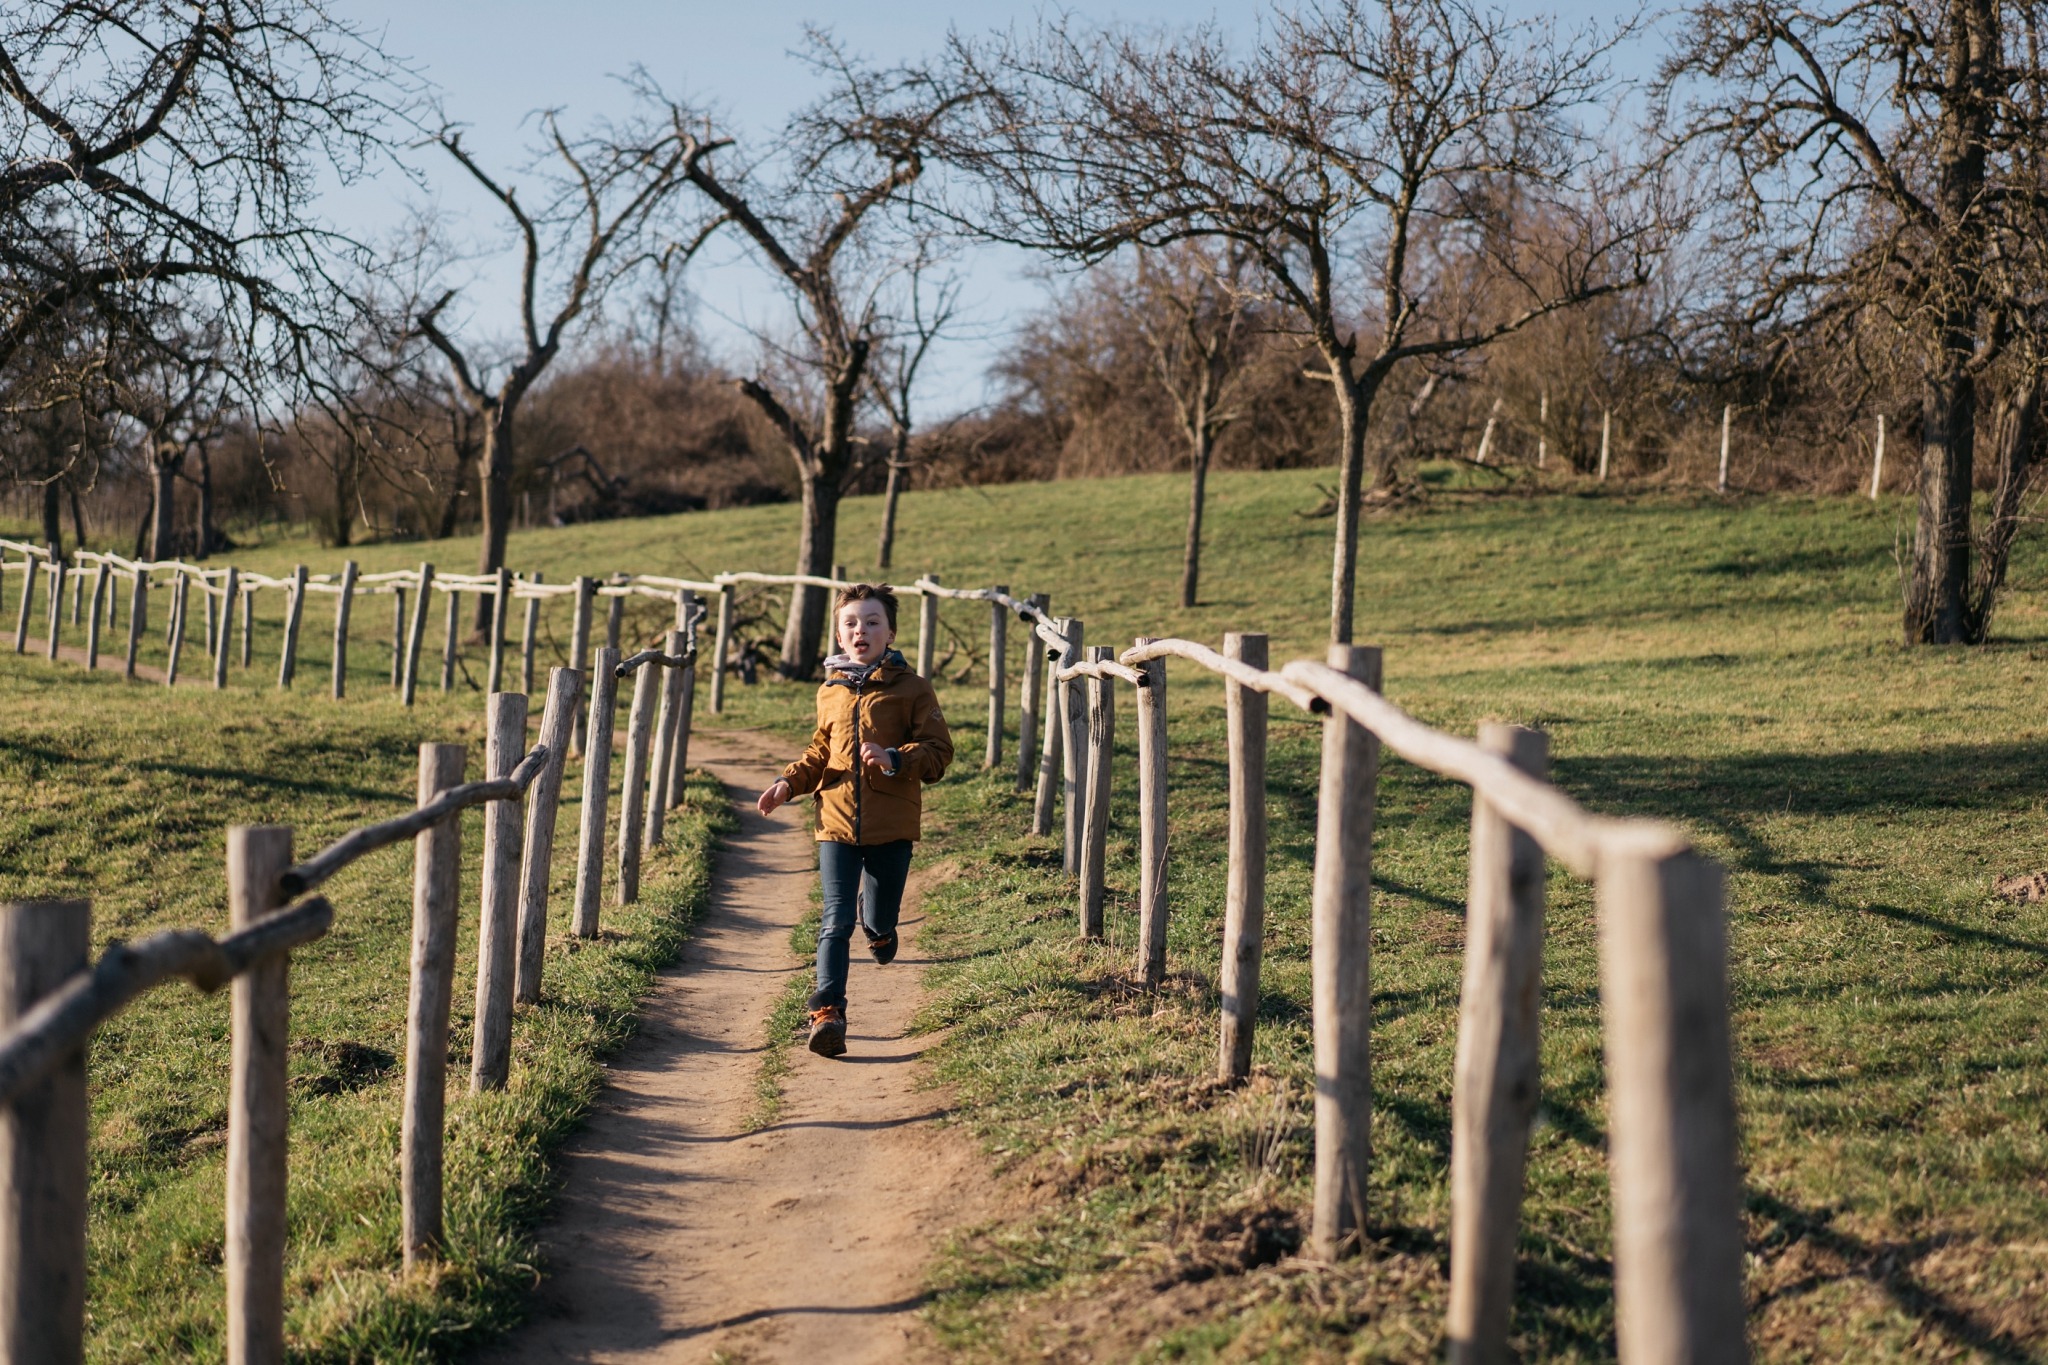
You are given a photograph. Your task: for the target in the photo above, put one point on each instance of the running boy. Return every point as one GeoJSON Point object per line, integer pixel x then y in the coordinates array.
{"type": "Point", "coordinates": [880, 738]}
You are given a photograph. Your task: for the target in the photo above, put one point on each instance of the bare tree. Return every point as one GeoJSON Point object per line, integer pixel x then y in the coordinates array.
{"type": "Point", "coordinates": [928, 308]}
{"type": "Point", "coordinates": [1880, 177]}
{"type": "Point", "coordinates": [812, 216]}
{"type": "Point", "coordinates": [595, 224]}
{"type": "Point", "coordinates": [1351, 125]}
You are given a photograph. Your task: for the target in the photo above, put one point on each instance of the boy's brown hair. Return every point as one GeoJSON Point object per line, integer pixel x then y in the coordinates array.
{"type": "Point", "coordinates": [866, 592]}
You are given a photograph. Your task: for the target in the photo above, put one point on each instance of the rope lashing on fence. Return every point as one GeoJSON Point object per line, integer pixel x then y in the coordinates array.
{"type": "Point", "coordinates": [303, 878]}
{"type": "Point", "coordinates": [64, 1019]}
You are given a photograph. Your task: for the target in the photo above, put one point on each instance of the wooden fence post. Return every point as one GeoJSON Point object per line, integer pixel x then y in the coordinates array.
{"type": "Point", "coordinates": [1678, 1291]}
{"type": "Point", "coordinates": [77, 577]}
{"type": "Point", "coordinates": [597, 778]}
{"type": "Point", "coordinates": [1495, 1083]}
{"type": "Point", "coordinates": [29, 565]}
{"type": "Point", "coordinates": [1244, 906]}
{"type": "Point", "coordinates": [248, 622]}
{"type": "Point", "coordinates": [1341, 967]}
{"type": "Point", "coordinates": [231, 588]}
{"type": "Point", "coordinates": [721, 644]}
{"type": "Point", "coordinates": [344, 607]}
{"type": "Point", "coordinates": [397, 636]}
{"type": "Point", "coordinates": [43, 1135]}
{"type": "Point", "coordinates": [181, 601]}
{"type": "Point", "coordinates": [436, 888]}
{"type": "Point", "coordinates": [416, 638]}
{"type": "Point", "coordinates": [614, 618]}
{"type": "Point", "coordinates": [579, 649]}
{"type": "Point", "coordinates": [927, 630]}
{"type": "Point", "coordinates": [1096, 794]}
{"type": "Point", "coordinates": [1877, 461]}
{"type": "Point", "coordinates": [1074, 747]}
{"type": "Point", "coordinates": [1028, 702]}
{"type": "Point", "coordinates": [658, 759]}
{"type": "Point", "coordinates": [1153, 838]}
{"type": "Point", "coordinates": [1606, 430]}
{"type": "Point", "coordinates": [258, 1102]}
{"type": "Point", "coordinates": [294, 613]}
{"type": "Point", "coordinates": [497, 927]}
{"type": "Point", "coordinates": [1727, 415]}
{"type": "Point", "coordinates": [101, 600]}
{"type": "Point", "coordinates": [501, 608]}
{"type": "Point", "coordinates": [633, 790]}
{"type": "Point", "coordinates": [206, 602]}
{"type": "Point", "coordinates": [138, 619]}
{"type": "Point", "coordinates": [528, 631]}
{"type": "Point", "coordinates": [448, 640]}
{"type": "Point", "coordinates": [536, 868]}
{"type": "Point", "coordinates": [686, 704]}
{"type": "Point", "coordinates": [58, 569]}
{"type": "Point", "coordinates": [1052, 749]}
{"type": "Point", "coordinates": [998, 660]}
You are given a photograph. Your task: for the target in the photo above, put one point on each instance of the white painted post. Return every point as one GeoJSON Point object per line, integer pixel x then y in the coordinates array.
{"type": "Point", "coordinates": [501, 608]}
{"type": "Point", "coordinates": [448, 641]}
{"type": "Point", "coordinates": [29, 564]}
{"type": "Point", "coordinates": [529, 631]}
{"type": "Point", "coordinates": [58, 570]}
{"type": "Point", "coordinates": [579, 648]}
{"type": "Point", "coordinates": [1341, 967]}
{"type": "Point", "coordinates": [180, 603]}
{"type": "Point", "coordinates": [101, 601]}
{"type": "Point", "coordinates": [1542, 428]}
{"type": "Point", "coordinates": [1486, 436]}
{"type": "Point", "coordinates": [138, 618]}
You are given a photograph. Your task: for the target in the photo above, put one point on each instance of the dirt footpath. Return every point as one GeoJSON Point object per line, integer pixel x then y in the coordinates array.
{"type": "Point", "coordinates": [677, 1236]}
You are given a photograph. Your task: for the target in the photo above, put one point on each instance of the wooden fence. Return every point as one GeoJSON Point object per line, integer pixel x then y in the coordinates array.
{"type": "Point", "coordinates": [1662, 948]}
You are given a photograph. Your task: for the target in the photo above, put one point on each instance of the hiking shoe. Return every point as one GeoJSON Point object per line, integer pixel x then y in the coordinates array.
{"type": "Point", "coordinates": [828, 1031]}
{"type": "Point", "coordinates": [883, 946]}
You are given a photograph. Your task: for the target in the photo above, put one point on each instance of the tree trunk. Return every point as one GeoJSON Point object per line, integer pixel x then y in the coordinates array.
{"type": "Point", "coordinates": [342, 528]}
{"type": "Point", "coordinates": [451, 510]}
{"type": "Point", "coordinates": [142, 527]}
{"type": "Point", "coordinates": [1354, 405]}
{"type": "Point", "coordinates": [53, 517]}
{"type": "Point", "coordinates": [209, 539]}
{"type": "Point", "coordinates": [1191, 557]}
{"type": "Point", "coordinates": [77, 518]}
{"type": "Point", "coordinates": [164, 528]}
{"type": "Point", "coordinates": [899, 458]}
{"type": "Point", "coordinates": [1935, 591]}
{"type": "Point", "coordinates": [2018, 437]}
{"type": "Point", "coordinates": [494, 483]}
{"type": "Point", "coordinates": [805, 631]}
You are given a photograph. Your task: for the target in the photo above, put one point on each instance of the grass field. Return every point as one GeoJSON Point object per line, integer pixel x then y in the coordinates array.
{"type": "Point", "coordinates": [1729, 664]}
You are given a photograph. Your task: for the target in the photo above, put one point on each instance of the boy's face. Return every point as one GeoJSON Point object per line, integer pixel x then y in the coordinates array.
{"type": "Point", "coordinates": [864, 631]}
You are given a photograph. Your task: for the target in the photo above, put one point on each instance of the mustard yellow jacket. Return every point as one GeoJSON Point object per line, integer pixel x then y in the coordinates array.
{"type": "Point", "coordinates": [896, 709]}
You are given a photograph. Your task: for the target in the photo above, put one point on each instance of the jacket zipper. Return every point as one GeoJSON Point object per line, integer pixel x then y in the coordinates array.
{"type": "Point", "coordinates": [856, 759]}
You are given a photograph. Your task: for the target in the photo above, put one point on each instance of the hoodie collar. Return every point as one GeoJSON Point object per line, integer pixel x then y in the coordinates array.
{"type": "Point", "coordinates": [847, 671]}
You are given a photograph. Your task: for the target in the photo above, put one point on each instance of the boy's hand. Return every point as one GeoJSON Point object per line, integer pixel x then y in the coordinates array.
{"type": "Point", "coordinates": [777, 793]}
{"type": "Point", "coordinates": [876, 757]}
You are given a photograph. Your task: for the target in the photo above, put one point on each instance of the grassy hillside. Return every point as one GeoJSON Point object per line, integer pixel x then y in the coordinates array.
{"type": "Point", "coordinates": [1730, 664]}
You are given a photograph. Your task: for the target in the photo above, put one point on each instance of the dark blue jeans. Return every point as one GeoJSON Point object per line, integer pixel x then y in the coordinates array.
{"type": "Point", "coordinates": [864, 880]}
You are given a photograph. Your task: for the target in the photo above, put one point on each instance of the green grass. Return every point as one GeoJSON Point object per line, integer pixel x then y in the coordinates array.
{"type": "Point", "coordinates": [1728, 664]}
{"type": "Point", "coordinates": [124, 793]}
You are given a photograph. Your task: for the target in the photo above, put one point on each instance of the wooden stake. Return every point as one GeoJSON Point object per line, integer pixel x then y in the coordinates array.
{"type": "Point", "coordinates": [416, 638]}
{"type": "Point", "coordinates": [501, 607]}
{"type": "Point", "coordinates": [1877, 462]}
{"type": "Point", "coordinates": [180, 604]}
{"type": "Point", "coordinates": [101, 601]}
{"type": "Point", "coordinates": [1542, 428]}
{"type": "Point", "coordinates": [258, 1100]}
{"type": "Point", "coordinates": [294, 613]}
{"type": "Point", "coordinates": [529, 634]}
{"type": "Point", "coordinates": [1341, 967]}
{"type": "Point", "coordinates": [998, 661]}
{"type": "Point", "coordinates": [927, 630]}
{"type": "Point", "coordinates": [686, 704]}
{"type": "Point", "coordinates": [1153, 838]}
{"type": "Point", "coordinates": [206, 604]}
{"type": "Point", "coordinates": [1074, 755]}
{"type": "Point", "coordinates": [1486, 436]}
{"type": "Point", "coordinates": [1096, 793]}
{"type": "Point", "coordinates": [1606, 428]}
{"type": "Point", "coordinates": [614, 618]}
{"type": "Point", "coordinates": [58, 569]}
{"type": "Point", "coordinates": [663, 752]}
{"type": "Point", "coordinates": [436, 891]}
{"type": "Point", "coordinates": [248, 622]}
{"type": "Point", "coordinates": [29, 565]}
{"type": "Point", "coordinates": [536, 868]}
{"type": "Point", "coordinates": [633, 791]}
{"type": "Point", "coordinates": [1727, 415]}
{"type": "Point", "coordinates": [344, 607]}
{"type": "Point", "coordinates": [43, 1137]}
{"type": "Point", "coordinates": [448, 642]}
{"type": "Point", "coordinates": [721, 645]}
{"type": "Point", "coordinates": [1032, 676]}
{"type": "Point", "coordinates": [1053, 750]}
{"type": "Point", "coordinates": [230, 590]}
{"type": "Point", "coordinates": [597, 776]}
{"type": "Point", "coordinates": [1678, 1288]}
{"type": "Point", "coordinates": [1244, 905]}
{"type": "Point", "coordinates": [579, 648]}
{"type": "Point", "coordinates": [1496, 1082]}
{"type": "Point", "coordinates": [138, 619]}
{"type": "Point", "coordinates": [397, 637]}
{"type": "Point", "coordinates": [77, 576]}
{"type": "Point", "coordinates": [497, 928]}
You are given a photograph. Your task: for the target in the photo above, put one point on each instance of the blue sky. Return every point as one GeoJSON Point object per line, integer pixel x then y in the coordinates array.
{"type": "Point", "coordinates": [495, 64]}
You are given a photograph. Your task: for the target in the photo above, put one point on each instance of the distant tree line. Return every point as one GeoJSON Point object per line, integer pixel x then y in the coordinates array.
{"type": "Point", "coordinates": [1380, 232]}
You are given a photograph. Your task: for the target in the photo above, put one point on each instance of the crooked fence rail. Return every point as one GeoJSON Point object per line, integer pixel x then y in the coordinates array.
{"type": "Point", "coordinates": [1661, 910]}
